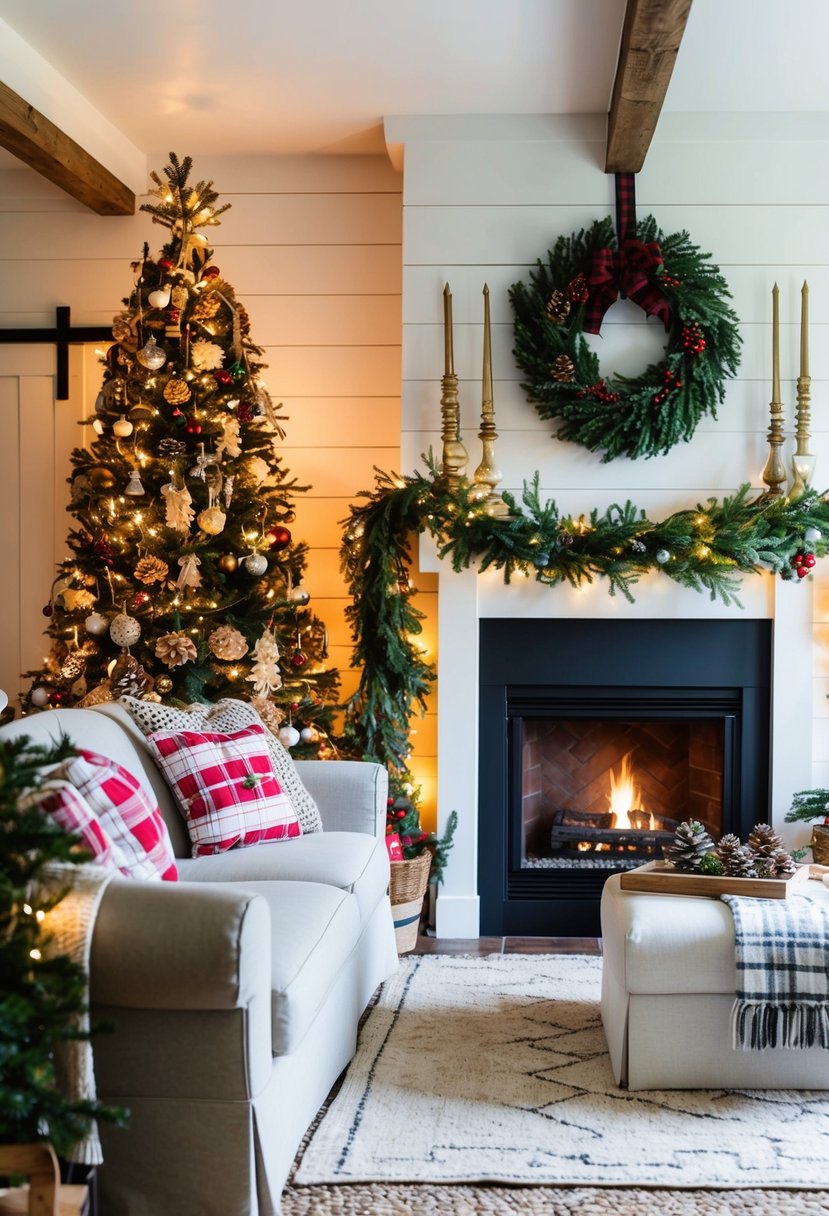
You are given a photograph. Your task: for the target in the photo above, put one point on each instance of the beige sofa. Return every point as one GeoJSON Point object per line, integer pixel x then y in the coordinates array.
{"type": "Point", "coordinates": [235, 994]}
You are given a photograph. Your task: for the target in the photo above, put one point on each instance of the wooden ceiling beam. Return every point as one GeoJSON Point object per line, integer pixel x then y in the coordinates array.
{"type": "Point", "coordinates": [651, 36]}
{"type": "Point", "coordinates": [34, 139]}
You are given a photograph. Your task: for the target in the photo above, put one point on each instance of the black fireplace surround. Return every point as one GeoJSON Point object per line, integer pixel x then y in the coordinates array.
{"type": "Point", "coordinates": [719, 670]}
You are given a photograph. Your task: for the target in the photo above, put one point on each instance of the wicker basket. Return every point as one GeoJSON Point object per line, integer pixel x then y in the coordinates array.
{"type": "Point", "coordinates": [409, 880]}
{"type": "Point", "coordinates": [820, 844]}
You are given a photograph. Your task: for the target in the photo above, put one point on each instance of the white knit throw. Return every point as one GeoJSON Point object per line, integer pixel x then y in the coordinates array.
{"type": "Point", "coordinates": [70, 926]}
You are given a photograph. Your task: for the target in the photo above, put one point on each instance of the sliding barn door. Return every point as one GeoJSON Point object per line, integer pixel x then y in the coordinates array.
{"type": "Point", "coordinates": [37, 434]}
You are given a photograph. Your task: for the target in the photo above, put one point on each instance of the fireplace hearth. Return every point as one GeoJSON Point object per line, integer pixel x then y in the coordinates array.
{"type": "Point", "coordinates": [596, 738]}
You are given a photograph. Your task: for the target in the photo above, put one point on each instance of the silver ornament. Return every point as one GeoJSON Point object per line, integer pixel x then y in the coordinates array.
{"type": "Point", "coordinates": [39, 697]}
{"type": "Point", "coordinates": [309, 734]}
{"type": "Point", "coordinates": [151, 355]}
{"type": "Point", "coordinates": [662, 556]}
{"type": "Point", "coordinates": [255, 563]}
{"type": "Point", "coordinates": [812, 535]}
{"type": "Point", "coordinates": [298, 595]}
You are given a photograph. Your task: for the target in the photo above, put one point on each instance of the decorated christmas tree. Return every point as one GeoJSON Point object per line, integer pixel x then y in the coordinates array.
{"type": "Point", "coordinates": [185, 583]}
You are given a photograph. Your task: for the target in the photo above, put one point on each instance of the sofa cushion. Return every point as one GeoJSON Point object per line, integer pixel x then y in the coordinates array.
{"type": "Point", "coordinates": [117, 821]}
{"type": "Point", "coordinates": [229, 715]}
{"type": "Point", "coordinates": [350, 861]}
{"type": "Point", "coordinates": [225, 787]}
{"type": "Point", "coordinates": [314, 929]}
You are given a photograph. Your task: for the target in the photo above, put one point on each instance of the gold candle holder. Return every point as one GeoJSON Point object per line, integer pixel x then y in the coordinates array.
{"type": "Point", "coordinates": [803, 462]}
{"type": "Point", "coordinates": [487, 474]}
{"type": "Point", "coordinates": [774, 474]}
{"type": "Point", "coordinates": [455, 456]}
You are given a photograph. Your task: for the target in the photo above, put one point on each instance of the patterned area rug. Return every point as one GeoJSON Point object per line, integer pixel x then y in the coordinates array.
{"type": "Point", "coordinates": [494, 1070]}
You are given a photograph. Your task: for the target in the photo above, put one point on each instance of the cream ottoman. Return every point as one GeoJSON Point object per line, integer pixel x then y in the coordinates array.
{"type": "Point", "coordinates": [668, 983]}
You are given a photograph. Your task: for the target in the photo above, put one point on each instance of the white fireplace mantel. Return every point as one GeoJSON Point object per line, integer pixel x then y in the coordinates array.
{"type": "Point", "coordinates": [466, 597]}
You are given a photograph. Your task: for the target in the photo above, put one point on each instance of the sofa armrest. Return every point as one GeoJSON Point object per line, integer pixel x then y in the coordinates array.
{"type": "Point", "coordinates": [179, 946]}
{"type": "Point", "coordinates": [351, 794]}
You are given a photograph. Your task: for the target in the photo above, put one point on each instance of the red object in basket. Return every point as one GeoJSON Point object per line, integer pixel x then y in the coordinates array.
{"type": "Point", "coordinates": [394, 846]}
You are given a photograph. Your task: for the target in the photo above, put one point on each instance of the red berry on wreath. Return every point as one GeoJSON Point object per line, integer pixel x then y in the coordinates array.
{"type": "Point", "coordinates": [802, 571]}
{"type": "Point", "coordinates": [809, 560]}
{"type": "Point", "coordinates": [797, 560]}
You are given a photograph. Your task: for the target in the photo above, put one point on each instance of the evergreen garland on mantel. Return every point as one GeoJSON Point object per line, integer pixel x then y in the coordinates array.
{"type": "Point", "coordinates": [706, 548]}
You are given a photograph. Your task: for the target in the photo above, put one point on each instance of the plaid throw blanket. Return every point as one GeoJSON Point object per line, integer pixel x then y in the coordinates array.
{"type": "Point", "coordinates": [782, 972]}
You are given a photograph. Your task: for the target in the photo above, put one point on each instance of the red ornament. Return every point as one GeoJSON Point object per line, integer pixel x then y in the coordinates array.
{"type": "Point", "coordinates": [298, 659]}
{"type": "Point", "coordinates": [57, 697]}
{"type": "Point", "coordinates": [809, 560]}
{"type": "Point", "coordinates": [173, 314]}
{"type": "Point", "coordinates": [577, 291]}
{"type": "Point", "coordinates": [47, 609]}
{"type": "Point", "coordinates": [798, 560]}
{"type": "Point", "coordinates": [294, 706]}
{"type": "Point", "coordinates": [165, 263]}
{"type": "Point", "coordinates": [211, 272]}
{"type": "Point", "coordinates": [222, 377]}
{"type": "Point", "coordinates": [193, 427]}
{"type": "Point", "coordinates": [279, 537]}
{"type": "Point", "coordinates": [801, 571]}
{"type": "Point", "coordinates": [244, 411]}
{"type": "Point", "coordinates": [140, 598]}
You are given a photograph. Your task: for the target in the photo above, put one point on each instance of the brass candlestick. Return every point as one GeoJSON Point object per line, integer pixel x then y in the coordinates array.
{"type": "Point", "coordinates": [455, 456]}
{"type": "Point", "coordinates": [803, 462]}
{"type": "Point", "coordinates": [774, 474]}
{"type": "Point", "coordinates": [487, 474]}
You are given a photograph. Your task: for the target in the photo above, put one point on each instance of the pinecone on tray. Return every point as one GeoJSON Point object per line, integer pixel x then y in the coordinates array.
{"type": "Point", "coordinates": [690, 844]}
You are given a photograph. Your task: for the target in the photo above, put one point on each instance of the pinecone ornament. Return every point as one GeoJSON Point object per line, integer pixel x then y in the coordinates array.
{"type": "Point", "coordinates": [227, 643]}
{"type": "Point", "coordinates": [176, 391]}
{"type": "Point", "coordinates": [764, 841]}
{"type": "Point", "coordinates": [577, 290]}
{"type": "Point", "coordinates": [690, 844]}
{"type": "Point", "coordinates": [151, 570]}
{"type": "Point", "coordinates": [129, 679]}
{"type": "Point", "coordinates": [563, 369]}
{"type": "Point", "coordinates": [175, 649]}
{"type": "Point", "coordinates": [558, 307]}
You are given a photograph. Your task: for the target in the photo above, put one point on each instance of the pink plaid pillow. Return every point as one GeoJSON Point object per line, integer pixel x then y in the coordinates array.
{"type": "Point", "coordinates": [113, 815]}
{"type": "Point", "coordinates": [225, 786]}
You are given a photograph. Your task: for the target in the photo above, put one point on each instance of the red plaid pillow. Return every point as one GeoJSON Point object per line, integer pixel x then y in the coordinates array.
{"type": "Point", "coordinates": [225, 786]}
{"type": "Point", "coordinates": [71, 812]}
{"type": "Point", "coordinates": [113, 815]}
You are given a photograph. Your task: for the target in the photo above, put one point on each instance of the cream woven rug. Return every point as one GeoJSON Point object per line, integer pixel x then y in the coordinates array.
{"type": "Point", "coordinates": [494, 1070]}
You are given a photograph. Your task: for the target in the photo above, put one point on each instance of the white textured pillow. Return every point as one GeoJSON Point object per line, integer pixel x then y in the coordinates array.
{"type": "Point", "coordinates": [225, 716]}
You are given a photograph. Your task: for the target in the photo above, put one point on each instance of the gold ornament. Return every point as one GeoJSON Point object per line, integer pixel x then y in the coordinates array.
{"type": "Point", "coordinates": [563, 369]}
{"type": "Point", "coordinates": [125, 331]}
{"type": "Point", "coordinates": [164, 685]}
{"type": "Point", "coordinates": [175, 649]}
{"type": "Point", "coordinates": [211, 520]}
{"type": "Point", "coordinates": [558, 307]}
{"type": "Point", "coordinates": [73, 666]}
{"type": "Point", "coordinates": [151, 570]}
{"type": "Point", "coordinates": [227, 643]}
{"type": "Point", "coordinates": [177, 391]}
{"type": "Point", "coordinates": [97, 696]}
{"type": "Point", "coordinates": [227, 563]}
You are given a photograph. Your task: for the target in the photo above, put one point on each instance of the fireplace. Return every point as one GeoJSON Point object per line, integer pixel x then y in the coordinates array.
{"type": "Point", "coordinates": [596, 738]}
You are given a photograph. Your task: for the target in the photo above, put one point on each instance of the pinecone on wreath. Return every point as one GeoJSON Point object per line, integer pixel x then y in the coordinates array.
{"type": "Point", "coordinates": [563, 369]}
{"type": "Point", "coordinates": [690, 844]}
{"type": "Point", "coordinates": [558, 307]}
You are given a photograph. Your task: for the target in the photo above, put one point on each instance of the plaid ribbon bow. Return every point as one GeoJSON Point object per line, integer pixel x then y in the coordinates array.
{"type": "Point", "coordinates": [627, 270]}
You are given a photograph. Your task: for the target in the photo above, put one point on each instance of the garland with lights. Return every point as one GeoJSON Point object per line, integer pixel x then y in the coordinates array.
{"type": "Point", "coordinates": [705, 548]}
{"type": "Point", "coordinates": [668, 276]}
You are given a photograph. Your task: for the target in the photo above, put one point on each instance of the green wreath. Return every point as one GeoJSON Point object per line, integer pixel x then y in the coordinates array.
{"type": "Point", "coordinates": [625, 416]}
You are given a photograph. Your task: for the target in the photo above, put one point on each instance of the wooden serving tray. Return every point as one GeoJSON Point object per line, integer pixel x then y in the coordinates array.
{"type": "Point", "coordinates": [662, 877]}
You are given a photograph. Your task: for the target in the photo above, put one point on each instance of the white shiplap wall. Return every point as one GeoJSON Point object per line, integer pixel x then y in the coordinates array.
{"type": "Point", "coordinates": [312, 246]}
{"type": "Point", "coordinates": [482, 201]}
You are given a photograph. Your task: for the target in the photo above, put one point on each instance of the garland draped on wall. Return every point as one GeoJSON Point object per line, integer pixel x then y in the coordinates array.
{"type": "Point", "coordinates": [706, 548]}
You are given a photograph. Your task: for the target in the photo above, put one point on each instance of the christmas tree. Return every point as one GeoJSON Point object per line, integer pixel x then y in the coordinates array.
{"type": "Point", "coordinates": [185, 583]}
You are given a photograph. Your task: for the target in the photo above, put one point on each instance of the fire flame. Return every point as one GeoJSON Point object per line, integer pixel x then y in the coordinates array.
{"type": "Point", "coordinates": [625, 796]}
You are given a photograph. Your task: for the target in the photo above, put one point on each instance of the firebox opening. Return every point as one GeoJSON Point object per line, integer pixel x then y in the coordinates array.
{"type": "Point", "coordinates": [598, 794]}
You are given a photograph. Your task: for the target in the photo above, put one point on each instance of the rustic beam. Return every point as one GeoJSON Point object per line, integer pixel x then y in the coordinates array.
{"type": "Point", "coordinates": [651, 36]}
{"type": "Point", "coordinates": [36, 140]}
